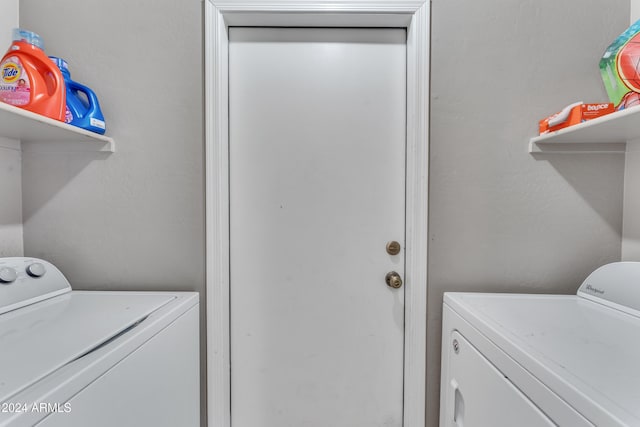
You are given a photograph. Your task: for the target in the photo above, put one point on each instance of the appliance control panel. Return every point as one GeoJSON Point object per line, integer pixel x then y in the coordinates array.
{"type": "Point", "coordinates": [24, 281]}
{"type": "Point", "coordinates": [615, 285]}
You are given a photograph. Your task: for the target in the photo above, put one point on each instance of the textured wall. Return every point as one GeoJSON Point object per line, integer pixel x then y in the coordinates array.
{"type": "Point", "coordinates": [500, 219]}
{"type": "Point", "coordinates": [8, 21]}
{"type": "Point", "coordinates": [635, 10]}
{"type": "Point", "coordinates": [11, 196]}
{"type": "Point", "coordinates": [132, 220]}
{"type": "Point", "coordinates": [10, 159]}
{"type": "Point", "coordinates": [631, 227]}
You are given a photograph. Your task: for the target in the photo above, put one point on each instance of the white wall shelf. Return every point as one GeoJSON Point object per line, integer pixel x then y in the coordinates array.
{"type": "Point", "coordinates": [606, 134]}
{"type": "Point", "coordinates": [41, 133]}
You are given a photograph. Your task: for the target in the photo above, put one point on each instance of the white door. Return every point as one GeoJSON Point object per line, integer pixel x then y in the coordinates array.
{"type": "Point", "coordinates": [317, 189]}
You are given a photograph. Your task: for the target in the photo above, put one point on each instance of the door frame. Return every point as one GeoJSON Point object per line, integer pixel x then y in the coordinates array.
{"type": "Point", "coordinates": [414, 16]}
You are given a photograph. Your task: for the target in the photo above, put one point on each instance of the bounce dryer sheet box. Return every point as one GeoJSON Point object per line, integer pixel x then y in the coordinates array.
{"type": "Point", "coordinates": [573, 114]}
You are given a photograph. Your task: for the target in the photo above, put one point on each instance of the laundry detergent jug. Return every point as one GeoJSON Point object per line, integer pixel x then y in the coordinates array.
{"type": "Point", "coordinates": [29, 79]}
{"type": "Point", "coordinates": [83, 109]}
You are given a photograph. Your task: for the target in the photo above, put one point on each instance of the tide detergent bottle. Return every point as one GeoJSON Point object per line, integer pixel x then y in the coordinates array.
{"type": "Point", "coordinates": [29, 79]}
{"type": "Point", "coordinates": [83, 109]}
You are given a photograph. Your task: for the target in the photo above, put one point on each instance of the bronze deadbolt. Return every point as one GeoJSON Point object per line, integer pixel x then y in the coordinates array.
{"type": "Point", "coordinates": [393, 248]}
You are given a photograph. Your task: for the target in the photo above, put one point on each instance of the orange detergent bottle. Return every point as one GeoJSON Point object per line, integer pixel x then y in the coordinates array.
{"type": "Point", "coordinates": [29, 79]}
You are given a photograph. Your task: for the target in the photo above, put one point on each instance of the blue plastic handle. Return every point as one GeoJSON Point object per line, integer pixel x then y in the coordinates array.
{"type": "Point", "coordinates": [91, 96]}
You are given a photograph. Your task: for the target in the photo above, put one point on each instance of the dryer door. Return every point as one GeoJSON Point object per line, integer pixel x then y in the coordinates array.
{"type": "Point", "coordinates": [479, 395]}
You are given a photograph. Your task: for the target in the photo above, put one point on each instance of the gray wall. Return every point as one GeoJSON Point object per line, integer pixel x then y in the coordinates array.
{"type": "Point", "coordinates": [500, 219]}
{"type": "Point", "coordinates": [631, 225]}
{"type": "Point", "coordinates": [8, 21]}
{"type": "Point", "coordinates": [10, 159]}
{"type": "Point", "coordinates": [11, 196]}
{"type": "Point", "coordinates": [134, 219]}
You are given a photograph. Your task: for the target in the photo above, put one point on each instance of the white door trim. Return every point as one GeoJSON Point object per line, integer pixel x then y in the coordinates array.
{"type": "Point", "coordinates": [414, 15]}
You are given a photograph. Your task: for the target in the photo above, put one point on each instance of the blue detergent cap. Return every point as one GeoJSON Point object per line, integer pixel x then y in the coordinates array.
{"type": "Point", "coordinates": [28, 36]}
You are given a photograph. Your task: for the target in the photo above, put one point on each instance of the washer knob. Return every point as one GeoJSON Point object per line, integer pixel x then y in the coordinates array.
{"type": "Point", "coordinates": [36, 269]}
{"type": "Point", "coordinates": [8, 275]}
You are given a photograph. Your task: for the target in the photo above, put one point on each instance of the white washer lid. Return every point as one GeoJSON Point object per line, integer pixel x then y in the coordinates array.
{"type": "Point", "coordinates": [587, 353]}
{"type": "Point", "coordinates": [41, 338]}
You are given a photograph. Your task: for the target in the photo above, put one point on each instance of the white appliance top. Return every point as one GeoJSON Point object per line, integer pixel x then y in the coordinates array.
{"type": "Point", "coordinates": [585, 348]}
{"type": "Point", "coordinates": [44, 325]}
{"type": "Point", "coordinates": [41, 338]}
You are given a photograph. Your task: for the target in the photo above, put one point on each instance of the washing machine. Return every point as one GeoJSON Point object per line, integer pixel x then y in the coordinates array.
{"type": "Point", "coordinates": [88, 358]}
{"type": "Point", "coordinates": [544, 360]}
